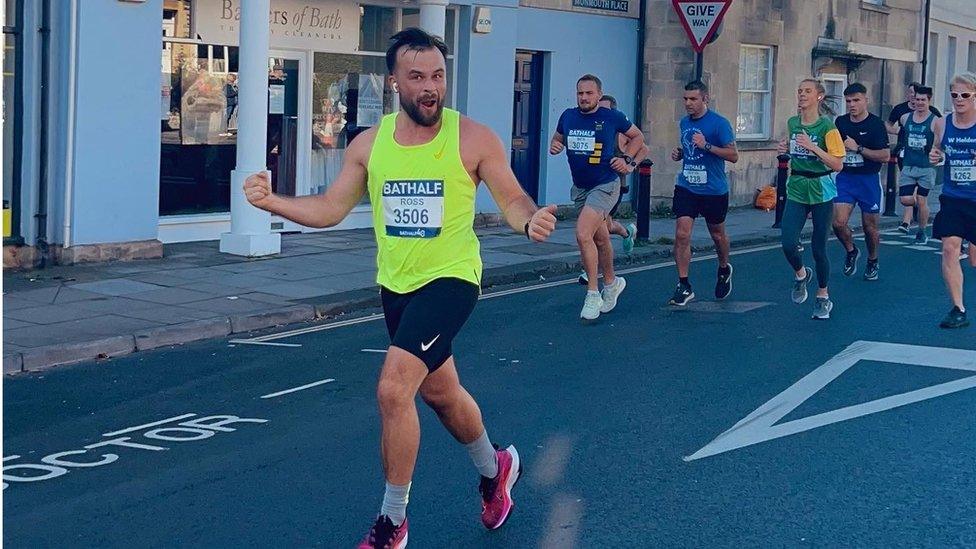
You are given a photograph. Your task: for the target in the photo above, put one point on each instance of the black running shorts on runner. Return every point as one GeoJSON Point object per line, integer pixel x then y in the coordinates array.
{"type": "Point", "coordinates": [425, 321]}
{"type": "Point", "coordinates": [956, 217]}
{"type": "Point", "coordinates": [713, 208]}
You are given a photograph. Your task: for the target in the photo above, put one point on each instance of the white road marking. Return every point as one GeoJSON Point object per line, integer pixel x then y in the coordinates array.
{"type": "Point", "coordinates": [301, 388]}
{"type": "Point", "coordinates": [760, 425]}
{"type": "Point", "coordinates": [147, 425]}
{"type": "Point", "coordinates": [250, 342]}
{"type": "Point", "coordinates": [374, 351]}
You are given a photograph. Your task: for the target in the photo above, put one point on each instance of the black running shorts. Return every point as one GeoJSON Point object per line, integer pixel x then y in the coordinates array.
{"type": "Point", "coordinates": [713, 208]}
{"type": "Point", "coordinates": [956, 217]}
{"type": "Point", "coordinates": [909, 190]}
{"type": "Point", "coordinates": [425, 321]}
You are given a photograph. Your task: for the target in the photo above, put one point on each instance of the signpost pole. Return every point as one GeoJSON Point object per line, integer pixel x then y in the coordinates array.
{"type": "Point", "coordinates": [699, 62]}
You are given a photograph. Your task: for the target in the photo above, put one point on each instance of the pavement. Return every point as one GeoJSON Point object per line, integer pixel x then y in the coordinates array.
{"type": "Point", "coordinates": [65, 314]}
{"type": "Point", "coordinates": [740, 423]}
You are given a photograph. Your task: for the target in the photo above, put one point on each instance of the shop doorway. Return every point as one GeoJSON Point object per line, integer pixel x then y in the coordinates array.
{"type": "Point", "coordinates": [527, 120]}
{"type": "Point", "coordinates": [289, 133]}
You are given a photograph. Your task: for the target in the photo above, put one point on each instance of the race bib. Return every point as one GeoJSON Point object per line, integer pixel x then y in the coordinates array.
{"type": "Point", "coordinates": [962, 174]}
{"type": "Point", "coordinates": [695, 177]}
{"type": "Point", "coordinates": [413, 209]}
{"type": "Point", "coordinates": [916, 141]}
{"type": "Point", "coordinates": [797, 150]}
{"type": "Point", "coordinates": [853, 159]}
{"type": "Point", "coordinates": [581, 144]}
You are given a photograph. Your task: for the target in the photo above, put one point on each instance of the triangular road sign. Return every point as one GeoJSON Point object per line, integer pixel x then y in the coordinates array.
{"type": "Point", "coordinates": [700, 19]}
{"type": "Point", "coordinates": [760, 425]}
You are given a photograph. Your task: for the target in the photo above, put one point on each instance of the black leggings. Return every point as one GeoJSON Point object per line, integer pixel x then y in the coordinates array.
{"type": "Point", "coordinates": [794, 218]}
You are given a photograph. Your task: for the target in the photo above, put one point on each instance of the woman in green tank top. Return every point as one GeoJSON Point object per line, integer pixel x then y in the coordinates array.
{"type": "Point", "coordinates": [816, 151]}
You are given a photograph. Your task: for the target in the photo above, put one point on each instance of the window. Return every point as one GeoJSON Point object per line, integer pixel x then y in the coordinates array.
{"type": "Point", "coordinates": [875, 2]}
{"type": "Point", "coordinates": [971, 66]}
{"type": "Point", "coordinates": [933, 59]}
{"type": "Point", "coordinates": [835, 84]}
{"type": "Point", "coordinates": [755, 92]}
{"type": "Point", "coordinates": [950, 69]}
{"type": "Point", "coordinates": [350, 93]}
{"type": "Point", "coordinates": [12, 134]}
{"type": "Point", "coordinates": [198, 106]}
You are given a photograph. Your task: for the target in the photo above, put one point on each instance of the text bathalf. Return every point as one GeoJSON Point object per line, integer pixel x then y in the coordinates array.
{"type": "Point", "coordinates": [413, 188]}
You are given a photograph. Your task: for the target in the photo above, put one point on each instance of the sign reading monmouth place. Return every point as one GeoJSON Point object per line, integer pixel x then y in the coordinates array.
{"type": "Point", "coordinates": [302, 24]}
{"type": "Point", "coordinates": [622, 6]}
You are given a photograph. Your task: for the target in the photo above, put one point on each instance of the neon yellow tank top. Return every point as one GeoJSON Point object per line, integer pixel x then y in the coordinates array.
{"type": "Point", "coordinates": [423, 209]}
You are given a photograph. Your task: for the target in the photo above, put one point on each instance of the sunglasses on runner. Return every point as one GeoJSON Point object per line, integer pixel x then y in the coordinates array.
{"type": "Point", "coordinates": [964, 95]}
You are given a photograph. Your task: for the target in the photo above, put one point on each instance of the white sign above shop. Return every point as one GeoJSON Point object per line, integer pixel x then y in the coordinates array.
{"type": "Point", "coordinates": [320, 25]}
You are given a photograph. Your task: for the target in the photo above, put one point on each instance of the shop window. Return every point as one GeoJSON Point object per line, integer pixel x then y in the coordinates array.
{"type": "Point", "coordinates": [377, 25]}
{"type": "Point", "coordinates": [755, 92]}
{"type": "Point", "coordinates": [198, 118]}
{"type": "Point", "coordinates": [350, 93]}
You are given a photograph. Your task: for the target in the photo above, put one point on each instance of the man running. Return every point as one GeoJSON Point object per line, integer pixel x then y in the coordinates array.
{"type": "Point", "coordinates": [629, 232]}
{"type": "Point", "coordinates": [895, 127]}
{"type": "Point", "coordinates": [421, 168]}
{"type": "Point", "coordinates": [859, 182]}
{"type": "Point", "coordinates": [917, 176]}
{"type": "Point", "coordinates": [588, 133]}
{"type": "Point", "coordinates": [955, 143]}
{"type": "Point", "coordinates": [702, 188]}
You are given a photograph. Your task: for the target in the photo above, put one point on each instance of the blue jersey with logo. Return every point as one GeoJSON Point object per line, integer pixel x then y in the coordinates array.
{"type": "Point", "coordinates": [591, 139]}
{"type": "Point", "coordinates": [704, 172]}
{"type": "Point", "coordinates": [960, 167]}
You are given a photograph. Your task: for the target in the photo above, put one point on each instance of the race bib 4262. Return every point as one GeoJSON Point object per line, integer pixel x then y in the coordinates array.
{"type": "Point", "coordinates": [413, 208]}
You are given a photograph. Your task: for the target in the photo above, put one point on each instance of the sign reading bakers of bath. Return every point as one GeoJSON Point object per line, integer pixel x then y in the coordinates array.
{"type": "Point", "coordinates": [322, 25]}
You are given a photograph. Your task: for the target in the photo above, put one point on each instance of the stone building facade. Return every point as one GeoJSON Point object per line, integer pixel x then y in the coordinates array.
{"type": "Point", "coordinates": [764, 49]}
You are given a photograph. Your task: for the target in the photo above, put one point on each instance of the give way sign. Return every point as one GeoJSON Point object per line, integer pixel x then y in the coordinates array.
{"type": "Point", "coordinates": [700, 19]}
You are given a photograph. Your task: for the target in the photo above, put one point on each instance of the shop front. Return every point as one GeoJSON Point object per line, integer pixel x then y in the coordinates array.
{"type": "Point", "coordinates": [326, 84]}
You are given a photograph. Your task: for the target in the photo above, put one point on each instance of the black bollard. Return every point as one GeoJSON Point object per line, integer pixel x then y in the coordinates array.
{"type": "Point", "coordinates": [782, 172]}
{"type": "Point", "coordinates": [644, 199]}
{"type": "Point", "coordinates": [891, 187]}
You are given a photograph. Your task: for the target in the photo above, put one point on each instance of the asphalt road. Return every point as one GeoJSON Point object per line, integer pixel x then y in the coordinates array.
{"type": "Point", "coordinates": [618, 425]}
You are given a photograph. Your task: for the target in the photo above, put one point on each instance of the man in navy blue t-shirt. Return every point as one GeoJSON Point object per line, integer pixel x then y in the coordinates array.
{"type": "Point", "coordinates": [702, 188]}
{"type": "Point", "coordinates": [588, 134]}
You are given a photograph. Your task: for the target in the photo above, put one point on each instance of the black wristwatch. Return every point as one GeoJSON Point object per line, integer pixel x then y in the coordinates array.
{"type": "Point", "coordinates": [708, 147]}
{"type": "Point", "coordinates": [860, 149]}
{"type": "Point", "coordinates": [526, 230]}
{"type": "Point", "coordinates": [630, 161]}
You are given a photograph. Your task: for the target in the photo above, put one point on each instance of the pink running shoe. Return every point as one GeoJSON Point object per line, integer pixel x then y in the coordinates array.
{"type": "Point", "coordinates": [496, 493]}
{"type": "Point", "coordinates": [383, 535]}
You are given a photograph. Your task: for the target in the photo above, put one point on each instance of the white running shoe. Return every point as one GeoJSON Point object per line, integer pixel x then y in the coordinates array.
{"type": "Point", "coordinates": [611, 292]}
{"type": "Point", "coordinates": [591, 307]}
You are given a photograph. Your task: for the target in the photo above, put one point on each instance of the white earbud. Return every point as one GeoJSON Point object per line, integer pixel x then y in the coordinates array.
{"type": "Point", "coordinates": [396, 89]}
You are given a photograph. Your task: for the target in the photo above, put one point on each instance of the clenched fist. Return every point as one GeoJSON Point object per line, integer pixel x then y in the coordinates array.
{"type": "Point", "coordinates": [556, 147]}
{"type": "Point", "coordinates": [677, 154]}
{"type": "Point", "coordinates": [542, 224]}
{"type": "Point", "coordinates": [257, 189]}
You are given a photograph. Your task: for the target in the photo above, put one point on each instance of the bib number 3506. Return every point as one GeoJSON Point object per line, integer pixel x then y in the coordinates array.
{"type": "Point", "coordinates": [413, 209]}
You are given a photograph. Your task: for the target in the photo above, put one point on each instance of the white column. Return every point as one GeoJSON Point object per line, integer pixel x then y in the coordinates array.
{"type": "Point", "coordinates": [250, 228]}
{"type": "Point", "coordinates": [433, 14]}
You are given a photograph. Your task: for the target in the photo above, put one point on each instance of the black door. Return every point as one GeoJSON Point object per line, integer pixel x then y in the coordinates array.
{"type": "Point", "coordinates": [526, 123]}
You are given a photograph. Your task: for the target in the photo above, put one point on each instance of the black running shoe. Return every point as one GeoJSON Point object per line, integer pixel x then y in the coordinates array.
{"type": "Point", "coordinates": [955, 319]}
{"type": "Point", "coordinates": [723, 285]}
{"type": "Point", "coordinates": [903, 228]}
{"type": "Point", "coordinates": [871, 271]}
{"type": "Point", "coordinates": [682, 295]}
{"type": "Point", "coordinates": [850, 262]}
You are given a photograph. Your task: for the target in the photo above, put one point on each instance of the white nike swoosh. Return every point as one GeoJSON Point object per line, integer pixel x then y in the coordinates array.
{"type": "Point", "coordinates": [425, 346]}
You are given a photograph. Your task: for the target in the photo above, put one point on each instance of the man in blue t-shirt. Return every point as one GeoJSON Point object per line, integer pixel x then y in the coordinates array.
{"type": "Point", "coordinates": [702, 188]}
{"type": "Point", "coordinates": [588, 134]}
